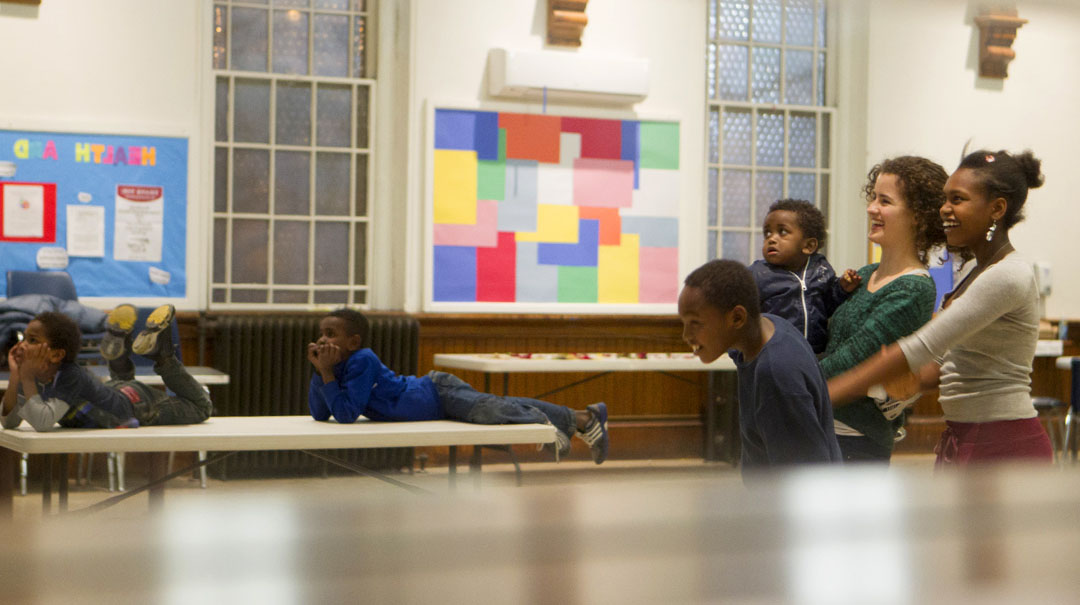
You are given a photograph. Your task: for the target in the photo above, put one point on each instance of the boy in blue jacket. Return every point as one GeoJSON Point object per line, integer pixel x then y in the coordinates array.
{"type": "Point", "coordinates": [794, 280]}
{"type": "Point", "coordinates": [350, 381]}
{"type": "Point", "coordinates": [785, 415]}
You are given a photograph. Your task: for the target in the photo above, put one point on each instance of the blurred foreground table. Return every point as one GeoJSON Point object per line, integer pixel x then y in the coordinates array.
{"type": "Point", "coordinates": [828, 535]}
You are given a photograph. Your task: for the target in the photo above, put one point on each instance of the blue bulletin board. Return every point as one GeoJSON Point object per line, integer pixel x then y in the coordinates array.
{"type": "Point", "coordinates": [114, 205]}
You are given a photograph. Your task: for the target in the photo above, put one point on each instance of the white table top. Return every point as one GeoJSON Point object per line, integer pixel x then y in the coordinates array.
{"type": "Point", "coordinates": [145, 375]}
{"type": "Point", "coordinates": [225, 433]}
{"type": "Point", "coordinates": [598, 362]}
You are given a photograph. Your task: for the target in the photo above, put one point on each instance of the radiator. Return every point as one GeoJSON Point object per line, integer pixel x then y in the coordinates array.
{"type": "Point", "coordinates": [266, 359]}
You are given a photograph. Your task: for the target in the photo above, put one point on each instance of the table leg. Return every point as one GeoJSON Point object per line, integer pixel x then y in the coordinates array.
{"type": "Point", "coordinates": [158, 468]}
{"type": "Point", "coordinates": [506, 384]}
{"type": "Point", "coordinates": [62, 488]}
{"type": "Point", "coordinates": [475, 465]}
{"type": "Point", "coordinates": [46, 483]}
{"type": "Point", "coordinates": [8, 459]}
{"type": "Point", "coordinates": [452, 467]}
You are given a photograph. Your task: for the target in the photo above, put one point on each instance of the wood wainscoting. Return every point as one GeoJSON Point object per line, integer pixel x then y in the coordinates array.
{"type": "Point", "coordinates": [651, 415]}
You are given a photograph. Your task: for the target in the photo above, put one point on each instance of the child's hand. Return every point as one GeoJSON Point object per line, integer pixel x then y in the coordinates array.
{"type": "Point", "coordinates": [313, 354]}
{"type": "Point", "coordinates": [849, 281]}
{"type": "Point", "coordinates": [15, 357]}
{"type": "Point", "coordinates": [326, 356]}
{"type": "Point", "coordinates": [35, 360]}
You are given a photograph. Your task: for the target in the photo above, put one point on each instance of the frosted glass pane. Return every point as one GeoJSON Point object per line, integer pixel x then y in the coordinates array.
{"type": "Point", "coordinates": [331, 45]}
{"type": "Point", "coordinates": [714, 136]}
{"type": "Point", "coordinates": [331, 297]}
{"type": "Point", "coordinates": [251, 180]}
{"type": "Point", "coordinates": [291, 243]}
{"type": "Point", "coordinates": [736, 198]}
{"type": "Point", "coordinates": [331, 253]}
{"type": "Point", "coordinates": [714, 191]}
{"type": "Point", "coordinates": [249, 39]}
{"type": "Point", "coordinates": [799, 22]}
{"type": "Point", "coordinates": [736, 136]}
{"type": "Point", "coordinates": [291, 297]}
{"type": "Point", "coordinates": [826, 140]}
{"type": "Point", "coordinates": [799, 77]}
{"type": "Point", "coordinates": [221, 110]}
{"type": "Point", "coordinates": [801, 187]}
{"type": "Point", "coordinates": [733, 66]}
{"type": "Point", "coordinates": [735, 19]}
{"type": "Point", "coordinates": [362, 93]}
{"type": "Point", "coordinates": [335, 112]}
{"type": "Point", "coordinates": [292, 179]}
{"type": "Point", "coordinates": [821, 79]}
{"type": "Point", "coordinates": [362, 161]}
{"type": "Point", "coordinates": [293, 110]}
{"type": "Point", "coordinates": [359, 47]}
{"type": "Point", "coordinates": [360, 271]}
{"type": "Point", "coordinates": [290, 42]}
{"type": "Point", "coordinates": [802, 140]}
{"type": "Point", "coordinates": [770, 138]}
{"type": "Point", "coordinates": [221, 180]}
{"type": "Point", "coordinates": [251, 111]}
{"type": "Point", "coordinates": [766, 21]}
{"type": "Point", "coordinates": [334, 4]}
{"type": "Point", "coordinates": [221, 231]}
{"type": "Point", "coordinates": [332, 183]}
{"type": "Point", "coordinates": [758, 245]}
{"type": "Point", "coordinates": [711, 67]}
{"type": "Point", "coordinates": [768, 188]}
{"type": "Point", "coordinates": [821, 41]}
{"type": "Point", "coordinates": [711, 251]}
{"type": "Point", "coordinates": [736, 246]}
{"type": "Point", "coordinates": [766, 75]}
{"type": "Point", "coordinates": [294, 3]}
{"type": "Point", "coordinates": [248, 296]}
{"type": "Point", "coordinates": [221, 29]}
{"type": "Point", "coordinates": [249, 243]}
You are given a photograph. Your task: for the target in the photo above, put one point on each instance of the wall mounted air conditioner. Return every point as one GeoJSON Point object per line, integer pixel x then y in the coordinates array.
{"type": "Point", "coordinates": [567, 76]}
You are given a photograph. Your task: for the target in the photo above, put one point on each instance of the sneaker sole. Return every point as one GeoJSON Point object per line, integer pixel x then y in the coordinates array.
{"type": "Point", "coordinates": [156, 323]}
{"type": "Point", "coordinates": [119, 324]}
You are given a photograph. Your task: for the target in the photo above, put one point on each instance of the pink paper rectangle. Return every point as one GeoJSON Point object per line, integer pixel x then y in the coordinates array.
{"type": "Point", "coordinates": [603, 183]}
{"type": "Point", "coordinates": [484, 233]}
{"type": "Point", "coordinates": [659, 280]}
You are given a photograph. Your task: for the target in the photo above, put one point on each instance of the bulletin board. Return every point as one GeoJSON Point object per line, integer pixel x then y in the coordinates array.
{"type": "Point", "coordinates": [536, 212]}
{"type": "Point", "coordinates": [111, 210]}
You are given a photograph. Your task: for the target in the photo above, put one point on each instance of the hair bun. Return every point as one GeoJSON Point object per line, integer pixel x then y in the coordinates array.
{"type": "Point", "coordinates": [1032, 168]}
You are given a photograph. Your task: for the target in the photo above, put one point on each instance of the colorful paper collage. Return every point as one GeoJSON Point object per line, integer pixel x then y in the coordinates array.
{"type": "Point", "coordinates": [549, 209]}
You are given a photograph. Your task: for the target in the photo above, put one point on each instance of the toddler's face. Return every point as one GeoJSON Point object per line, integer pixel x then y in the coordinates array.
{"type": "Point", "coordinates": [785, 246]}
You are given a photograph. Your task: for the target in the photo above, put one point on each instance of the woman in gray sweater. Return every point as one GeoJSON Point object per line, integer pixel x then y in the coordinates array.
{"type": "Point", "coordinates": [978, 350]}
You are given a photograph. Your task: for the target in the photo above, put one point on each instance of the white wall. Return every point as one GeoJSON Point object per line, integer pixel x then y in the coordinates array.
{"type": "Point", "coordinates": [924, 97]}
{"type": "Point", "coordinates": [450, 43]}
{"type": "Point", "coordinates": [114, 66]}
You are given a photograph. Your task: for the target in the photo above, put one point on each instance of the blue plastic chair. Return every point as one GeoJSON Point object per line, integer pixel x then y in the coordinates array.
{"type": "Point", "coordinates": [56, 283]}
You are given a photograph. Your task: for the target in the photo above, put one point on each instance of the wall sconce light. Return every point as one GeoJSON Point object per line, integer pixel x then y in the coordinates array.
{"type": "Point", "coordinates": [566, 22]}
{"type": "Point", "coordinates": [997, 30]}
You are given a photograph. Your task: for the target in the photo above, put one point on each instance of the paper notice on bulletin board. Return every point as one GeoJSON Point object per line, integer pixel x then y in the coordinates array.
{"type": "Point", "coordinates": [105, 201]}
{"type": "Point", "coordinates": [140, 212]}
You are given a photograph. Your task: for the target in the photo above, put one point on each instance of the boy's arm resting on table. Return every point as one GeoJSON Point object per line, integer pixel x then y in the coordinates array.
{"type": "Point", "coordinates": [346, 398]}
{"type": "Point", "coordinates": [41, 414]}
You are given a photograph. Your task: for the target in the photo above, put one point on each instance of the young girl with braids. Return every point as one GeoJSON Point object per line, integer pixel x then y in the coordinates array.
{"type": "Point", "coordinates": [979, 349]}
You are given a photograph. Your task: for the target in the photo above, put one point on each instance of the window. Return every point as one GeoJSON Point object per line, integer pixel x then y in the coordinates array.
{"type": "Point", "coordinates": [292, 153]}
{"type": "Point", "coordinates": [768, 123]}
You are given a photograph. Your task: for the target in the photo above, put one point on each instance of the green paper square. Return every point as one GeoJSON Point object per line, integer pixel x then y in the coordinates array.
{"type": "Point", "coordinates": [491, 174]}
{"type": "Point", "coordinates": [578, 285]}
{"type": "Point", "coordinates": [660, 145]}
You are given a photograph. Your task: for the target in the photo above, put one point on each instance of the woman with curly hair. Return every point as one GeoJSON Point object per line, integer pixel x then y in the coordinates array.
{"type": "Point", "coordinates": [979, 349]}
{"type": "Point", "coordinates": [895, 297]}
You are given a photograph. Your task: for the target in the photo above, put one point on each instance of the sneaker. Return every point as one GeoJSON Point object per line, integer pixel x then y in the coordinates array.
{"type": "Point", "coordinates": [156, 340]}
{"type": "Point", "coordinates": [118, 328]}
{"type": "Point", "coordinates": [595, 433]}
{"type": "Point", "coordinates": [562, 444]}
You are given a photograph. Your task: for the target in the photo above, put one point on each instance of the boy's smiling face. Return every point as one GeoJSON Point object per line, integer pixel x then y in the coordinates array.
{"type": "Point", "coordinates": [785, 244]}
{"type": "Point", "coordinates": [709, 331]}
{"type": "Point", "coordinates": [335, 331]}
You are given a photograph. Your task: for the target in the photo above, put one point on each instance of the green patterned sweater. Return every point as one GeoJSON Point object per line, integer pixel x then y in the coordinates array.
{"type": "Point", "coordinates": [861, 326]}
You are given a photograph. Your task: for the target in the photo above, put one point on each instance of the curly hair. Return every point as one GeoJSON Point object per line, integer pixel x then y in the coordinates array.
{"type": "Point", "coordinates": [922, 184]}
{"type": "Point", "coordinates": [809, 219]}
{"type": "Point", "coordinates": [1007, 176]}
{"type": "Point", "coordinates": [62, 333]}
{"type": "Point", "coordinates": [355, 321]}
{"type": "Point", "coordinates": [726, 284]}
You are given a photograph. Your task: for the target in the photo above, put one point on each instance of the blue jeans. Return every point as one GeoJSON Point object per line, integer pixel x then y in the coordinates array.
{"type": "Point", "coordinates": [185, 402]}
{"type": "Point", "coordinates": [462, 402]}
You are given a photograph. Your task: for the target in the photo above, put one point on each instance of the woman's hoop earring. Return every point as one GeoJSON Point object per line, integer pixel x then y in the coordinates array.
{"type": "Point", "coordinates": [990, 231]}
